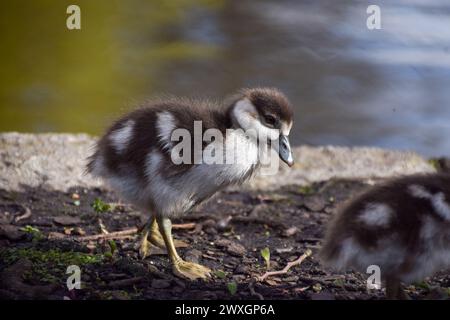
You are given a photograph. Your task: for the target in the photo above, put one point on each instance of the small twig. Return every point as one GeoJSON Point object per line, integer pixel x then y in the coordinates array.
{"type": "Point", "coordinates": [307, 253]}
{"type": "Point", "coordinates": [127, 232]}
{"type": "Point", "coordinates": [124, 237]}
{"type": "Point", "coordinates": [109, 236]}
{"type": "Point", "coordinates": [184, 226]}
{"type": "Point", "coordinates": [26, 215]}
{"type": "Point", "coordinates": [197, 229]}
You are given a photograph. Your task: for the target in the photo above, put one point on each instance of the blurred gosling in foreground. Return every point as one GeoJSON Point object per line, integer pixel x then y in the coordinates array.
{"type": "Point", "coordinates": [402, 226]}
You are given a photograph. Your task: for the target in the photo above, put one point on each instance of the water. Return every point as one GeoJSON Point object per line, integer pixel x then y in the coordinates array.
{"type": "Point", "coordinates": [350, 85]}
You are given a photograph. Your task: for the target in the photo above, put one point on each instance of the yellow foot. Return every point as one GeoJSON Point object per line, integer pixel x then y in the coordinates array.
{"type": "Point", "coordinates": [190, 270]}
{"type": "Point", "coordinates": [156, 239]}
{"type": "Point", "coordinates": [144, 248]}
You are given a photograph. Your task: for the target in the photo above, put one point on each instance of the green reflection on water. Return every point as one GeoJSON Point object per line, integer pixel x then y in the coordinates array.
{"type": "Point", "coordinates": [55, 79]}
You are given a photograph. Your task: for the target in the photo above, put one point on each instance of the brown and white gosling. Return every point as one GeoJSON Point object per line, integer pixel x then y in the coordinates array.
{"type": "Point", "coordinates": [134, 158]}
{"type": "Point", "coordinates": [401, 226]}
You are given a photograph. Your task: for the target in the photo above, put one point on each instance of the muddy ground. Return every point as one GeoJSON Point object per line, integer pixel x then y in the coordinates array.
{"type": "Point", "coordinates": [43, 232]}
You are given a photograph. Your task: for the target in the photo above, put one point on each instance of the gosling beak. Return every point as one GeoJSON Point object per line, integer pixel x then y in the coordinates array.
{"type": "Point", "coordinates": [284, 150]}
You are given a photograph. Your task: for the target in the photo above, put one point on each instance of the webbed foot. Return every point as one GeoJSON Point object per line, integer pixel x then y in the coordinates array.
{"type": "Point", "coordinates": [190, 270]}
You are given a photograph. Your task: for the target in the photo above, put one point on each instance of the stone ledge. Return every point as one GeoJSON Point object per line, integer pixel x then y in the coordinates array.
{"type": "Point", "coordinates": [57, 161]}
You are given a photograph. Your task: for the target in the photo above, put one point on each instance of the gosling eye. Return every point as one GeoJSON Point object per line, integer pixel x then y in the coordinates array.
{"type": "Point", "coordinates": [270, 120]}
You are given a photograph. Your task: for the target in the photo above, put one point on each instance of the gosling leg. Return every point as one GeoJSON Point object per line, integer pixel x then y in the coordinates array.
{"type": "Point", "coordinates": [181, 268]}
{"type": "Point", "coordinates": [155, 237]}
{"type": "Point", "coordinates": [144, 244]}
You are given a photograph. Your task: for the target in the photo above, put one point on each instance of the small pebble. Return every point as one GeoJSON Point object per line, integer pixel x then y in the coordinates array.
{"type": "Point", "coordinates": [160, 284]}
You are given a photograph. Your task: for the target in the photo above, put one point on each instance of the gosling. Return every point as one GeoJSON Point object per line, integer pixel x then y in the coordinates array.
{"type": "Point", "coordinates": [401, 226]}
{"type": "Point", "coordinates": [139, 158]}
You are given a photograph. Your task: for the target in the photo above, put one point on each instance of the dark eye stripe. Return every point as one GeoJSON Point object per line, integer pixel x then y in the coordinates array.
{"type": "Point", "coordinates": [270, 119]}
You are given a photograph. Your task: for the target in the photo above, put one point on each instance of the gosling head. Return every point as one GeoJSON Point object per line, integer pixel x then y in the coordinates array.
{"type": "Point", "coordinates": [267, 114]}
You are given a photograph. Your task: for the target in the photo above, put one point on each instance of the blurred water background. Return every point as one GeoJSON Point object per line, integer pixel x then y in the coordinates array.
{"type": "Point", "coordinates": [350, 85]}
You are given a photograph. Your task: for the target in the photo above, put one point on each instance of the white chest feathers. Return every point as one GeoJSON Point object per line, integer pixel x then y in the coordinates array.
{"type": "Point", "coordinates": [239, 157]}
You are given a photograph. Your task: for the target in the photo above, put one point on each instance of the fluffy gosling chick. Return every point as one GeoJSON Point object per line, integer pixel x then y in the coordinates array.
{"type": "Point", "coordinates": [135, 158]}
{"type": "Point", "coordinates": [402, 226]}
